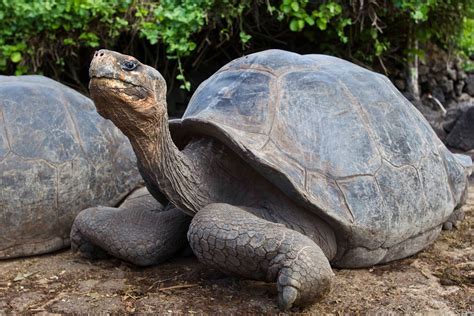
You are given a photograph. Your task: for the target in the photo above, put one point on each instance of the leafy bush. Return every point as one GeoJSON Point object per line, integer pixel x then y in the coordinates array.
{"type": "Point", "coordinates": [175, 22]}
{"type": "Point", "coordinates": [33, 33]}
{"type": "Point", "coordinates": [57, 37]}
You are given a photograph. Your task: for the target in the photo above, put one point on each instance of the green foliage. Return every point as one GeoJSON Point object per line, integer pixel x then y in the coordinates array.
{"type": "Point", "coordinates": [328, 13]}
{"type": "Point", "coordinates": [374, 29]}
{"type": "Point", "coordinates": [417, 9]}
{"type": "Point", "coordinates": [53, 35]}
{"type": "Point", "coordinates": [31, 31]}
{"type": "Point", "coordinates": [466, 42]}
{"type": "Point", "coordinates": [175, 22]}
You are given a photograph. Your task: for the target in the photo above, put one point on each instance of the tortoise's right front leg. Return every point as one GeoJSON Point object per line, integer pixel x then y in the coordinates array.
{"type": "Point", "coordinates": [240, 243]}
{"type": "Point", "coordinates": [139, 231]}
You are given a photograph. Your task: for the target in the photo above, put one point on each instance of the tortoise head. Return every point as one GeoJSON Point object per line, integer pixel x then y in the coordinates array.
{"type": "Point", "coordinates": [132, 95]}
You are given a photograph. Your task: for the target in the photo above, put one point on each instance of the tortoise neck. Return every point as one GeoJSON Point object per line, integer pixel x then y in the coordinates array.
{"type": "Point", "coordinates": [164, 167]}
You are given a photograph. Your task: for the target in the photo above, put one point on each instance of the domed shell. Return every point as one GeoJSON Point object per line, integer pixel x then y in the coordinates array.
{"type": "Point", "coordinates": [336, 137]}
{"type": "Point", "coordinates": [57, 157]}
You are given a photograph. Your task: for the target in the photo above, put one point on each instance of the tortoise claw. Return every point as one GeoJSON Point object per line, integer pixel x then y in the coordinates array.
{"type": "Point", "coordinates": [286, 297]}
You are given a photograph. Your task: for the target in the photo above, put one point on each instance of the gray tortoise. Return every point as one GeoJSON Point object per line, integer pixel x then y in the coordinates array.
{"type": "Point", "coordinates": [57, 157]}
{"type": "Point", "coordinates": [288, 163]}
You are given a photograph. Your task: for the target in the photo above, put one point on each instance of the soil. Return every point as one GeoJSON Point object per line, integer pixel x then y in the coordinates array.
{"type": "Point", "coordinates": [439, 280]}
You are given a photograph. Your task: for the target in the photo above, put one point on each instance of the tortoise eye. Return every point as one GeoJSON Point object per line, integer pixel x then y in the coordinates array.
{"type": "Point", "coordinates": [129, 65]}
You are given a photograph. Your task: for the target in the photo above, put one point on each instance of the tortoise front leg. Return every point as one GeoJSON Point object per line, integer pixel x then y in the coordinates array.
{"type": "Point", "coordinates": [140, 231]}
{"type": "Point", "coordinates": [239, 243]}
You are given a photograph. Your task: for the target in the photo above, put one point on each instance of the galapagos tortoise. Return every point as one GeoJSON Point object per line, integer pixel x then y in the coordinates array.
{"type": "Point", "coordinates": [288, 163]}
{"type": "Point", "coordinates": [57, 157]}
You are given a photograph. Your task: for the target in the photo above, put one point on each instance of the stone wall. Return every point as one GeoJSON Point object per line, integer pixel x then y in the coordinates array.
{"type": "Point", "coordinates": [441, 78]}
{"type": "Point", "coordinates": [447, 98]}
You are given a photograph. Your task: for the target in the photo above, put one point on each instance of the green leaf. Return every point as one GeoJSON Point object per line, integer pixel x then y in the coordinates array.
{"type": "Point", "coordinates": [186, 86]}
{"type": "Point", "coordinates": [294, 25]}
{"type": "Point", "coordinates": [244, 37]}
{"type": "Point", "coordinates": [300, 25]}
{"type": "Point", "coordinates": [21, 70]}
{"type": "Point", "coordinates": [69, 41]}
{"type": "Point", "coordinates": [321, 23]}
{"type": "Point", "coordinates": [309, 20]}
{"type": "Point", "coordinates": [15, 57]}
{"type": "Point", "coordinates": [295, 6]}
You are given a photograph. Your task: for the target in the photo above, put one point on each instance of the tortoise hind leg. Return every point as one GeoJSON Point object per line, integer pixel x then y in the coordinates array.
{"type": "Point", "coordinates": [239, 243]}
{"type": "Point", "coordinates": [139, 231]}
{"type": "Point", "coordinates": [454, 219]}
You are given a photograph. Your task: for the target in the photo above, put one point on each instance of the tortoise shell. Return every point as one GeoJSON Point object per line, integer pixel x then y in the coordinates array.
{"type": "Point", "coordinates": [337, 138]}
{"type": "Point", "coordinates": [57, 157]}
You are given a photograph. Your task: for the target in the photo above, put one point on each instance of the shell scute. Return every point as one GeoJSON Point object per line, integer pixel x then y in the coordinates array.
{"type": "Point", "coordinates": [399, 139]}
{"type": "Point", "coordinates": [314, 112]}
{"type": "Point", "coordinates": [367, 206]}
{"type": "Point", "coordinates": [4, 142]}
{"type": "Point", "coordinates": [230, 94]}
{"type": "Point", "coordinates": [41, 131]}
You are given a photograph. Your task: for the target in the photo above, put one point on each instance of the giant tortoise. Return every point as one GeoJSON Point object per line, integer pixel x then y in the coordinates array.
{"type": "Point", "coordinates": [57, 157]}
{"type": "Point", "coordinates": [288, 163]}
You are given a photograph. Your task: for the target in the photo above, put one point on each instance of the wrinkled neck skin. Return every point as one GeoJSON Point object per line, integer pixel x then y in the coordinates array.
{"type": "Point", "coordinates": [164, 166]}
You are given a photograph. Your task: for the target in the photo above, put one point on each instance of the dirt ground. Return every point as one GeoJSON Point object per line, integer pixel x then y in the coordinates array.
{"type": "Point", "coordinates": [438, 280]}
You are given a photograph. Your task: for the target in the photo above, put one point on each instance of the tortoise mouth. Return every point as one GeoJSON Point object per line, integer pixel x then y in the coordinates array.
{"type": "Point", "coordinates": [112, 93]}
{"type": "Point", "coordinates": [103, 83]}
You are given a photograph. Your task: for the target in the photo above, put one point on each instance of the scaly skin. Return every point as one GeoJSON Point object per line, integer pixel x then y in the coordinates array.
{"type": "Point", "coordinates": [237, 242]}
{"type": "Point", "coordinates": [140, 231]}
{"type": "Point", "coordinates": [454, 219]}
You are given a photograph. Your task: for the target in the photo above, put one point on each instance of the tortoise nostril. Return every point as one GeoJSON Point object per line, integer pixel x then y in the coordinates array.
{"type": "Point", "coordinates": [101, 54]}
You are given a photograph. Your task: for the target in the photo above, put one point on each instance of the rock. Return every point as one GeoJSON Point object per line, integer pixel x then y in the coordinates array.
{"type": "Point", "coordinates": [447, 86]}
{"type": "Point", "coordinates": [437, 93]}
{"type": "Point", "coordinates": [453, 114]}
{"type": "Point", "coordinates": [450, 102]}
{"type": "Point", "coordinates": [465, 98]}
{"type": "Point", "coordinates": [440, 77]}
{"type": "Point", "coordinates": [423, 70]}
{"type": "Point", "coordinates": [458, 88]}
{"type": "Point", "coordinates": [461, 75]}
{"type": "Point", "coordinates": [462, 134]}
{"type": "Point", "coordinates": [458, 63]}
{"type": "Point", "coordinates": [452, 74]}
{"type": "Point", "coordinates": [409, 96]}
{"type": "Point", "coordinates": [438, 67]}
{"type": "Point", "coordinates": [400, 84]}
{"type": "Point", "coordinates": [423, 78]}
{"type": "Point", "coordinates": [435, 118]}
{"type": "Point", "coordinates": [432, 83]}
{"type": "Point", "coordinates": [469, 88]}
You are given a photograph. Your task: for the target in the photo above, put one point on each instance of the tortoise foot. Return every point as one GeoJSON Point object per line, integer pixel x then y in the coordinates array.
{"type": "Point", "coordinates": [454, 220]}
{"type": "Point", "coordinates": [140, 231]}
{"type": "Point", "coordinates": [304, 279]}
{"type": "Point", "coordinates": [240, 243]}
{"type": "Point", "coordinates": [80, 244]}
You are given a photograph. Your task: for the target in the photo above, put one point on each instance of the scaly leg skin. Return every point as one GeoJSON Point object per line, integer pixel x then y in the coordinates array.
{"type": "Point", "coordinates": [454, 219]}
{"type": "Point", "coordinates": [140, 231]}
{"type": "Point", "coordinates": [239, 243]}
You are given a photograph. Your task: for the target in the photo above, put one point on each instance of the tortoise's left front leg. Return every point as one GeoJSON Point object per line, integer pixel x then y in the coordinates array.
{"type": "Point", "coordinates": [139, 231]}
{"type": "Point", "coordinates": [240, 243]}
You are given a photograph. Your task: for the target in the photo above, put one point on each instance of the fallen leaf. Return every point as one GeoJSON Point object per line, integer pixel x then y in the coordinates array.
{"type": "Point", "coordinates": [23, 276]}
{"type": "Point", "coordinates": [94, 295]}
